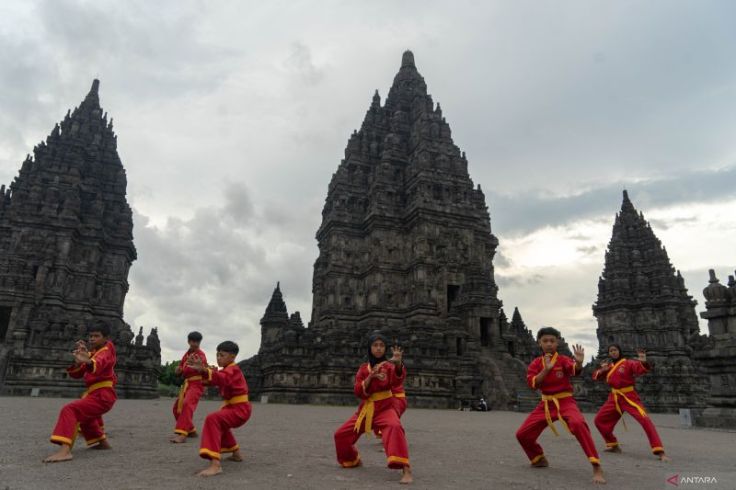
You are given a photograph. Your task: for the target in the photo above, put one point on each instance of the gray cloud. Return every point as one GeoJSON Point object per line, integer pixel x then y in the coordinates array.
{"type": "Point", "coordinates": [525, 211]}
{"type": "Point", "coordinates": [232, 117]}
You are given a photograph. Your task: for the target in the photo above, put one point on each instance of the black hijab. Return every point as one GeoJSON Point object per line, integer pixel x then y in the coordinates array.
{"type": "Point", "coordinates": [376, 335]}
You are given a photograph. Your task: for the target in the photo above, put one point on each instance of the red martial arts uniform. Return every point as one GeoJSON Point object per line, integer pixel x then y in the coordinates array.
{"type": "Point", "coordinates": [189, 395]}
{"type": "Point", "coordinates": [217, 435]}
{"type": "Point", "coordinates": [376, 410]}
{"type": "Point", "coordinates": [399, 401]}
{"type": "Point", "coordinates": [624, 398]}
{"type": "Point", "coordinates": [556, 399]}
{"type": "Point", "coordinates": [85, 415]}
{"type": "Point", "coordinates": [399, 398]}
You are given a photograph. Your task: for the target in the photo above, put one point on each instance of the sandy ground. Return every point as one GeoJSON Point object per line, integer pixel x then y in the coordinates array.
{"type": "Point", "coordinates": [291, 446]}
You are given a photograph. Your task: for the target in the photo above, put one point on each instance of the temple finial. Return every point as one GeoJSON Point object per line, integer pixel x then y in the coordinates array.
{"type": "Point", "coordinates": [407, 60]}
{"type": "Point", "coordinates": [95, 87]}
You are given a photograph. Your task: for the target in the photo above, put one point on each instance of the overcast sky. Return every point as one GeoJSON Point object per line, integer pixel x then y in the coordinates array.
{"type": "Point", "coordinates": [232, 116]}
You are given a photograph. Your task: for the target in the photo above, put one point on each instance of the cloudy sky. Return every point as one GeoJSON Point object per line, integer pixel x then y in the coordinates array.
{"type": "Point", "coordinates": [232, 116]}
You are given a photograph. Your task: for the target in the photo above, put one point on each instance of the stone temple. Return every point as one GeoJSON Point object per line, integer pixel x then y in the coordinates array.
{"type": "Point", "coordinates": [716, 353]}
{"type": "Point", "coordinates": [66, 246]}
{"type": "Point", "coordinates": [405, 246]}
{"type": "Point", "coordinates": [643, 303]}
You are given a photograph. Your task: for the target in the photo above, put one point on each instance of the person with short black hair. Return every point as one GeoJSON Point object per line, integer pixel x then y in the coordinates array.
{"type": "Point", "coordinates": [620, 374]}
{"type": "Point", "coordinates": [550, 373]}
{"type": "Point", "coordinates": [94, 361]}
{"type": "Point", "coordinates": [190, 392]}
{"type": "Point", "coordinates": [217, 434]}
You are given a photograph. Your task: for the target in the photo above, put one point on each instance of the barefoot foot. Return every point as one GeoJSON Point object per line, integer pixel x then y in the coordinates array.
{"type": "Point", "coordinates": [406, 477]}
{"type": "Point", "coordinates": [213, 469]}
{"type": "Point", "coordinates": [193, 434]}
{"type": "Point", "coordinates": [179, 439]}
{"type": "Point", "coordinates": [542, 463]}
{"type": "Point", "coordinates": [598, 475]}
{"type": "Point", "coordinates": [663, 457]}
{"type": "Point", "coordinates": [236, 456]}
{"type": "Point", "coordinates": [103, 444]}
{"type": "Point", "coordinates": [613, 449]}
{"type": "Point", "coordinates": [63, 454]}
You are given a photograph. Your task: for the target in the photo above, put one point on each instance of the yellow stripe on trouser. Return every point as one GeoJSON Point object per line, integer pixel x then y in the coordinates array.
{"type": "Point", "coordinates": [183, 391]}
{"type": "Point", "coordinates": [369, 408]}
{"type": "Point", "coordinates": [548, 416]}
{"type": "Point", "coordinates": [622, 393]}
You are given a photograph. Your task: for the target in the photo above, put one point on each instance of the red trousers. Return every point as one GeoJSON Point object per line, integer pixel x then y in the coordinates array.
{"type": "Point", "coordinates": [217, 434]}
{"type": "Point", "coordinates": [185, 405]}
{"type": "Point", "coordinates": [607, 418]}
{"type": "Point", "coordinates": [536, 422]}
{"type": "Point", "coordinates": [386, 420]}
{"type": "Point", "coordinates": [87, 412]}
{"type": "Point", "coordinates": [400, 405]}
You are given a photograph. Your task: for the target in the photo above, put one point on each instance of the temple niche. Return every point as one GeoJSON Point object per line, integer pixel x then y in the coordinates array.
{"type": "Point", "coordinates": [405, 246]}
{"type": "Point", "coordinates": [643, 303]}
{"type": "Point", "coordinates": [66, 246]}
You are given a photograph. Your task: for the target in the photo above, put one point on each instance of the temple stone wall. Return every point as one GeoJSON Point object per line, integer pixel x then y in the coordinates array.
{"type": "Point", "coordinates": [66, 247]}
{"type": "Point", "coordinates": [405, 246]}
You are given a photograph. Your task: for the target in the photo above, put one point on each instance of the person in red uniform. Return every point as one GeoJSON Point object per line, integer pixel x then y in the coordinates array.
{"type": "Point", "coordinates": [190, 392]}
{"type": "Point", "coordinates": [550, 373]}
{"type": "Point", "coordinates": [95, 362]}
{"type": "Point", "coordinates": [399, 401]}
{"type": "Point", "coordinates": [217, 434]}
{"type": "Point", "coordinates": [620, 374]}
{"type": "Point", "coordinates": [373, 386]}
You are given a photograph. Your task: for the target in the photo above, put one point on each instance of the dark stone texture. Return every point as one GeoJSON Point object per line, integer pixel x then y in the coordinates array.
{"type": "Point", "coordinates": [405, 246]}
{"type": "Point", "coordinates": [66, 246]}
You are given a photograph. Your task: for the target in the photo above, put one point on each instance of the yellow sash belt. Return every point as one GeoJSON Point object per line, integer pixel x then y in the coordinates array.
{"type": "Point", "coordinates": [548, 416]}
{"type": "Point", "coordinates": [235, 400]}
{"type": "Point", "coordinates": [622, 393]}
{"type": "Point", "coordinates": [183, 391]}
{"type": "Point", "coordinates": [97, 386]}
{"type": "Point", "coordinates": [400, 395]}
{"type": "Point", "coordinates": [369, 408]}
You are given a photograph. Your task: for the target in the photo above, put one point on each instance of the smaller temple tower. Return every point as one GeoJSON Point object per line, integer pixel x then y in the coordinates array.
{"type": "Point", "coordinates": [716, 352]}
{"type": "Point", "coordinates": [643, 303]}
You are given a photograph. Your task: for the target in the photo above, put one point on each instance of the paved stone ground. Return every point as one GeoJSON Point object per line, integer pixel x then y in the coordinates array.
{"type": "Point", "coordinates": [291, 447]}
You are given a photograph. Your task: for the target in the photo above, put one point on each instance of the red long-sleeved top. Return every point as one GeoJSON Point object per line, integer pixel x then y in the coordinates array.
{"type": "Point", "coordinates": [187, 371]}
{"type": "Point", "coordinates": [622, 373]}
{"type": "Point", "coordinates": [101, 369]}
{"type": "Point", "coordinates": [229, 380]}
{"type": "Point", "coordinates": [392, 381]}
{"type": "Point", "coordinates": [558, 379]}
